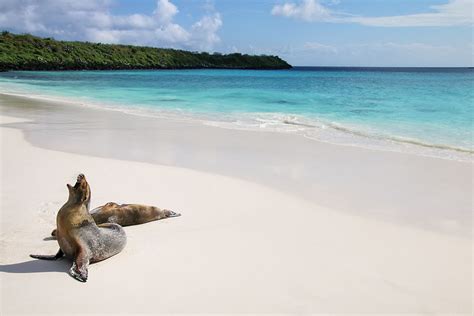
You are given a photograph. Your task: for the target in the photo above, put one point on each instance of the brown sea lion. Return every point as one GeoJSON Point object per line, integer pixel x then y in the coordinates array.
{"type": "Point", "coordinates": [79, 237]}
{"type": "Point", "coordinates": [128, 214]}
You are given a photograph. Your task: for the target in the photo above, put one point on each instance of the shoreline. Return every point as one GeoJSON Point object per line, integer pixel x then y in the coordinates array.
{"type": "Point", "coordinates": [304, 126]}
{"type": "Point", "coordinates": [321, 173]}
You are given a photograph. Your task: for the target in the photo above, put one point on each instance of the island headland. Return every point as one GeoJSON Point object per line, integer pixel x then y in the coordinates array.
{"type": "Point", "coordinates": [28, 52]}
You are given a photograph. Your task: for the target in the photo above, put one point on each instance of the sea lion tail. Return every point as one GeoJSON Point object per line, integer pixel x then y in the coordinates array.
{"type": "Point", "coordinates": [57, 256]}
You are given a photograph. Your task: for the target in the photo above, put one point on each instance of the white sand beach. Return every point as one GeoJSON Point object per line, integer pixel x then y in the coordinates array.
{"type": "Point", "coordinates": [269, 223]}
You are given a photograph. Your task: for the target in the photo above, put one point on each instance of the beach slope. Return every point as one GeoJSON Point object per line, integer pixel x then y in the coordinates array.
{"type": "Point", "coordinates": [238, 247]}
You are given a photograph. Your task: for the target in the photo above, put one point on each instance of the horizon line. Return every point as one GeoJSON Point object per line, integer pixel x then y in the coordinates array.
{"type": "Point", "coordinates": [394, 67]}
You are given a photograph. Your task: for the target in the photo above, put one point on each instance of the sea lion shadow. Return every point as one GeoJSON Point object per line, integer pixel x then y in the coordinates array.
{"type": "Point", "coordinates": [36, 266]}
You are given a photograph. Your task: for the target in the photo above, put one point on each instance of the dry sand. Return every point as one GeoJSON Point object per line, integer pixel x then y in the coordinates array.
{"type": "Point", "coordinates": [240, 246]}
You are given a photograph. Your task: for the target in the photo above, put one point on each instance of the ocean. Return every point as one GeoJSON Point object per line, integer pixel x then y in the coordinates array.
{"type": "Point", "coordinates": [426, 111]}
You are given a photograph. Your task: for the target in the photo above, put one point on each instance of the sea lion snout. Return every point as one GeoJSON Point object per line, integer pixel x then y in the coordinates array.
{"type": "Point", "coordinates": [80, 192]}
{"type": "Point", "coordinates": [80, 180]}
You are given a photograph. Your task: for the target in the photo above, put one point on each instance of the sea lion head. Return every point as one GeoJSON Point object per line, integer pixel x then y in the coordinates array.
{"type": "Point", "coordinates": [111, 205]}
{"type": "Point", "coordinates": [80, 193]}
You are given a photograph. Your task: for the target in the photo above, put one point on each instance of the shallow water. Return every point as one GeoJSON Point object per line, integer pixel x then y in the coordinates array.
{"type": "Point", "coordinates": [426, 111]}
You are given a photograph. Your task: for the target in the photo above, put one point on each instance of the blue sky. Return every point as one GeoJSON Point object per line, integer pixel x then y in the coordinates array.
{"type": "Point", "coordinates": [304, 32]}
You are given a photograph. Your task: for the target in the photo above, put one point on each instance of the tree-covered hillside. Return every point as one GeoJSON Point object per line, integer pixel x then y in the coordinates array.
{"type": "Point", "coordinates": [27, 52]}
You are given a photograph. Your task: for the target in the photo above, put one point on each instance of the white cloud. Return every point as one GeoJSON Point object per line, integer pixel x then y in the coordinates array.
{"type": "Point", "coordinates": [103, 36]}
{"type": "Point", "coordinates": [165, 11]}
{"type": "Point", "coordinates": [377, 54]}
{"type": "Point", "coordinates": [205, 31]}
{"type": "Point", "coordinates": [414, 47]}
{"type": "Point", "coordinates": [455, 12]}
{"type": "Point", "coordinates": [410, 54]}
{"type": "Point", "coordinates": [134, 21]}
{"type": "Point", "coordinates": [307, 10]}
{"type": "Point", "coordinates": [92, 20]}
{"type": "Point", "coordinates": [172, 33]}
{"type": "Point", "coordinates": [318, 47]}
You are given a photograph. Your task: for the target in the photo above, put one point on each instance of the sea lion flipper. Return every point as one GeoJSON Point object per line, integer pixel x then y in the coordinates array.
{"type": "Point", "coordinates": [170, 213]}
{"type": "Point", "coordinates": [77, 274]}
{"type": "Point", "coordinates": [57, 256]}
{"type": "Point", "coordinates": [79, 269]}
{"type": "Point", "coordinates": [106, 225]}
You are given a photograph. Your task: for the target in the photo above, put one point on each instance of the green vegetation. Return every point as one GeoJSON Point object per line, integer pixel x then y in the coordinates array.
{"type": "Point", "coordinates": [27, 52]}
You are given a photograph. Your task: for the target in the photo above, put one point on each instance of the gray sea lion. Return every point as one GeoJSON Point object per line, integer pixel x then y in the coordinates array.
{"type": "Point", "coordinates": [127, 214]}
{"type": "Point", "coordinates": [79, 237]}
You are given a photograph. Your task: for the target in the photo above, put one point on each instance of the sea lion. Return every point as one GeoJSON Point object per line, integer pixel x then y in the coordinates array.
{"type": "Point", "coordinates": [79, 237]}
{"type": "Point", "coordinates": [128, 214]}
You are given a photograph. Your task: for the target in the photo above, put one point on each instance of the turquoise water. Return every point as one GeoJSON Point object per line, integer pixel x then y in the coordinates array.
{"type": "Point", "coordinates": [425, 111]}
